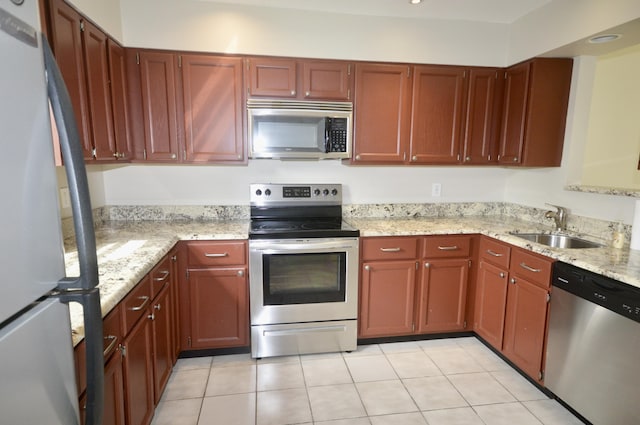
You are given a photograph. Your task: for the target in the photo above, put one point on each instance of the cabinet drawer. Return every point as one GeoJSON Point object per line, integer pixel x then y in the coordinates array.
{"type": "Point", "coordinates": [160, 276]}
{"type": "Point", "coordinates": [495, 252]}
{"type": "Point", "coordinates": [446, 246]}
{"type": "Point", "coordinates": [389, 248]}
{"type": "Point", "coordinates": [532, 267]}
{"type": "Point", "coordinates": [216, 253]}
{"type": "Point", "coordinates": [135, 304]}
{"type": "Point", "coordinates": [112, 332]}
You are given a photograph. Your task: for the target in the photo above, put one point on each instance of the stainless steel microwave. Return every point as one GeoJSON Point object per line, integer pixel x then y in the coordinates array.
{"type": "Point", "coordinates": [292, 129]}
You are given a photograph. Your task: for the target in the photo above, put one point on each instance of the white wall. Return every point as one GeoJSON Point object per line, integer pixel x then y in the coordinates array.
{"type": "Point", "coordinates": [105, 13]}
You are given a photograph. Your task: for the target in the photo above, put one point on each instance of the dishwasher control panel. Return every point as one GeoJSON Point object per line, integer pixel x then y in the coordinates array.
{"type": "Point", "coordinates": [609, 293]}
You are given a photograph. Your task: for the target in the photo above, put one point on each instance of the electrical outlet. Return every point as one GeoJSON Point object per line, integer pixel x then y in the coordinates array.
{"type": "Point", "coordinates": [436, 189]}
{"type": "Point", "coordinates": [65, 199]}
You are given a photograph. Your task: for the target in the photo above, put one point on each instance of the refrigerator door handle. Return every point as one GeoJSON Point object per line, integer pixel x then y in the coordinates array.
{"type": "Point", "coordinates": [84, 288]}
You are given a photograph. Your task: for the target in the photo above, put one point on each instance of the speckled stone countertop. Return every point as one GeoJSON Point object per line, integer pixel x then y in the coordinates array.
{"type": "Point", "coordinates": [127, 251]}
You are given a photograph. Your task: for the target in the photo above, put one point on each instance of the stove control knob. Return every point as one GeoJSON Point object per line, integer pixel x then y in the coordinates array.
{"type": "Point", "coordinates": [267, 192]}
{"type": "Point", "coordinates": [316, 192]}
{"type": "Point", "coordinates": [258, 192]}
{"type": "Point", "coordinates": [325, 192]}
{"type": "Point", "coordinates": [334, 192]}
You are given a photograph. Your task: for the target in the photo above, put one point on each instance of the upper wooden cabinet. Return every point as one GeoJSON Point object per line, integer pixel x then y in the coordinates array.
{"type": "Point", "coordinates": [298, 79]}
{"type": "Point", "coordinates": [382, 113]}
{"type": "Point", "coordinates": [92, 67]}
{"type": "Point", "coordinates": [536, 97]}
{"type": "Point", "coordinates": [190, 107]}
{"type": "Point", "coordinates": [212, 99]}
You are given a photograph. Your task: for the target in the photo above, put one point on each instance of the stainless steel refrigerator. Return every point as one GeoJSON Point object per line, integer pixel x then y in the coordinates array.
{"type": "Point", "coordinates": [37, 375]}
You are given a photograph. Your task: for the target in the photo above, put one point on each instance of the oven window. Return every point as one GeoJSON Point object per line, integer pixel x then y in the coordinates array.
{"type": "Point", "coordinates": [304, 278]}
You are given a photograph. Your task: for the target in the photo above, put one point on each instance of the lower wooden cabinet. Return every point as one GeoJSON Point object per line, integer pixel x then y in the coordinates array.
{"type": "Point", "coordinates": [114, 391]}
{"type": "Point", "coordinates": [162, 324]}
{"type": "Point", "coordinates": [214, 294]}
{"type": "Point", "coordinates": [387, 298]}
{"type": "Point", "coordinates": [491, 301]}
{"type": "Point", "coordinates": [413, 285]}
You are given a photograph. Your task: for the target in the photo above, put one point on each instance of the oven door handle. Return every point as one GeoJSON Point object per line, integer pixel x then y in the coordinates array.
{"type": "Point", "coordinates": [305, 248]}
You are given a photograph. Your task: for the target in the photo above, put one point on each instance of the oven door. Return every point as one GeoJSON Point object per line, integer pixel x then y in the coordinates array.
{"type": "Point", "coordinates": [303, 280]}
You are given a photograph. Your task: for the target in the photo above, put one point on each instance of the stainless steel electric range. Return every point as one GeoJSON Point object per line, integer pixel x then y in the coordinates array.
{"type": "Point", "coordinates": [303, 271]}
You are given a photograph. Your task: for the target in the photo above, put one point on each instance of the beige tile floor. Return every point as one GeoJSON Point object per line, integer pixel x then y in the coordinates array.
{"type": "Point", "coordinates": [437, 382]}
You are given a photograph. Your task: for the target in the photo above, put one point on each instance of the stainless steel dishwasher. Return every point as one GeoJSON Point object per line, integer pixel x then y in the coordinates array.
{"type": "Point", "coordinates": [593, 348]}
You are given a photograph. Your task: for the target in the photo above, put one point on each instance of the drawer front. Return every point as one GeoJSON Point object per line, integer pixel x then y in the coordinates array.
{"type": "Point", "coordinates": [112, 332]}
{"type": "Point", "coordinates": [532, 267]}
{"type": "Point", "coordinates": [495, 252]}
{"type": "Point", "coordinates": [206, 254]}
{"type": "Point", "coordinates": [389, 248]}
{"type": "Point", "coordinates": [135, 304]}
{"type": "Point", "coordinates": [160, 276]}
{"type": "Point", "coordinates": [446, 246]}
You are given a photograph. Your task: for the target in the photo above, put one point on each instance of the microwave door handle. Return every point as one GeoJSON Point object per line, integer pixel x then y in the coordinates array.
{"type": "Point", "coordinates": [327, 128]}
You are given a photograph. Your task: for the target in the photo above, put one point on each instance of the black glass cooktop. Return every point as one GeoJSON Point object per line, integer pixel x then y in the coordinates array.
{"type": "Point", "coordinates": [307, 228]}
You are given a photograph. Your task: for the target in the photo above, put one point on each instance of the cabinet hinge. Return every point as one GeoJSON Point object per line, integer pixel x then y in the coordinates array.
{"type": "Point", "coordinates": [413, 327]}
{"type": "Point", "coordinates": [464, 74]}
{"type": "Point", "coordinates": [82, 26]}
{"type": "Point", "coordinates": [144, 154]}
{"type": "Point", "coordinates": [138, 58]}
{"type": "Point", "coordinates": [464, 324]}
{"type": "Point", "coordinates": [188, 341]}
{"type": "Point", "coordinates": [540, 375]}
{"type": "Point", "coordinates": [348, 93]}
{"type": "Point", "coordinates": [179, 61]}
{"type": "Point", "coordinates": [184, 154]}
{"type": "Point", "coordinates": [174, 258]}
{"type": "Point", "coordinates": [349, 69]}
{"type": "Point", "coordinates": [187, 273]}
{"type": "Point", "coordinates": [458, 157]}
{"type": "Point", "coordinates": [93, 152]}
{"type": "Point", "coordinates": [417, 265]}
{"type": "Point", "coordinates": [408, 71]}
{"type": "Point", "coordinates": [123, 350]}
{"type": "Point", "coordinates": [247, 64]}
{"type": "Point", "coordinates": [548, 297]}
{"type": "Point", "coordinates": [469, 263]}
{"type": "Point", "coordinates": [404, 156]}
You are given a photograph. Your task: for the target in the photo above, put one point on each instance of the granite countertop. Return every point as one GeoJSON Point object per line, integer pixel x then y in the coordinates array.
{"type": "Point", "coordinates": [127, 251]}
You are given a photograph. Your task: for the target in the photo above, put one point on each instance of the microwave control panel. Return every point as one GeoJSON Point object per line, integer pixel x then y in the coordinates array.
{"type": "Point", "coordinates": [336, 134]}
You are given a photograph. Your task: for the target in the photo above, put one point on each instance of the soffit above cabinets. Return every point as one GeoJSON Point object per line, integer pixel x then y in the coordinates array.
{"type": "Point", "coordinates": [492, 11]}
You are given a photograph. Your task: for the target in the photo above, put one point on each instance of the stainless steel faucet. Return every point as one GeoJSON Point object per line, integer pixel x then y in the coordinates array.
{"type": "Point", "coordinates": [559, 216]}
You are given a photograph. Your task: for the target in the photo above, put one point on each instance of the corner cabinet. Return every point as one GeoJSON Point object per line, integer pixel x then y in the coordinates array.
{"type": "Point", "coordinates": [214, 295]}
{"type": "Point", "coordinates": [512, 303]}
{"type": "Point", "coordinates": [536, 98]}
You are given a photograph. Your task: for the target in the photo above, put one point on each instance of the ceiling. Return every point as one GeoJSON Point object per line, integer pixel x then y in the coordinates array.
{"type": "Point", "coordinates": [493, 11]}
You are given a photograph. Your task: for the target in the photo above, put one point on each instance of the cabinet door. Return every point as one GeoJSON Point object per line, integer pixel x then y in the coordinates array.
{"type": "Point", "coordinates": [382, 113]}
{"type": "Point", "coordinates": [438, 105]}
{"type": "Point", "coordinates": [113, 391]}
{"type": "Point", "coordinates": [158, 88]}
{"type": "Point", "coordinates": [97, 73]}
{"type": "Point", "coordinates": [219, 311]}
{"type": "Point", "coordinates": [387, 298]}
{"type": "Point", "coordinates": [119, 93]}
{"type": "Point", "coordinates": [272, 77]}
{"type": "Point", "coordinates": [482, 118]}
{"type": "Point", "coordinates": [491, 299]}
{"type": "Point", "coordinates": [516, 92]}
{"type": "Point", "coordinates": [212, 95]}
{"type": "Point", "coordinates": [175, 297]}
{"type": "Point", "coordinates": [525, 326]}
{"type": "Point", "coordinates": [443, 295]}
{"type": "Point", "coordinates": [329, 80]}
{"type": "Point", "coordinates": [138, 373]}
{"type": "Point", "coordinates": [67, 47]}
{"type": "Point", "coordinates": [162, 341]}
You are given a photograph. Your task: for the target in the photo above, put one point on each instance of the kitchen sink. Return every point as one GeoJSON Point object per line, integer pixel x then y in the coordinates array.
{"type": "Point", "coordinates": [558, 241]}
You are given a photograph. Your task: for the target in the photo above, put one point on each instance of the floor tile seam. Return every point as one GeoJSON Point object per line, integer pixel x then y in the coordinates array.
{"type": "Point", "coordinates": [511, 402]}
{"type": "Point", "coordinates": [539, 418]}
{"type": "Point", "coordinates": [507, 389]}
{"type": "Point", "coordinates": [457, 390]}
{"type": "Point", "coordinates": [306, 389]}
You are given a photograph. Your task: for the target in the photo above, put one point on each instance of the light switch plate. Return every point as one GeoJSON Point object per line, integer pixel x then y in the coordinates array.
{"type": "Point", "coordinates": [436, 189]}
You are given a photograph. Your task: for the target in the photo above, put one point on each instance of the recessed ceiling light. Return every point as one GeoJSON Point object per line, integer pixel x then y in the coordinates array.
{"type": "Point", "coordinates": [605, 38]}
{"type": "Point", "coordinates": [415, 1]}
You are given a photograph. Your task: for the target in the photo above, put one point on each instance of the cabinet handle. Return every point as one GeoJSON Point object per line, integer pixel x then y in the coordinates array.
{"type": "Point", "coordinates": [390, 249]}
{"type": "Point", "coordinates": [495, 254]}
{"type": "Point", "coordinates": [427, 265]}
{"type": "Point", "coordinates": [367, 267]}
{"type": "Point", "coordinates": [468, 158]}
{"type": "Point", "coordinates": [448, 248]}
{"type": "Point", "coordinates": [224, 254]}
{"type": "Point", "coordinates": [141, 306]}
{"type": "Point", "coordinates": [307, 94]}
{"type": "Point", "coordinates": [173, 156]}
{"type": "Point", "coordinates": [151, 316]}
{"type": "Point", "coordinates": [513, 280]}
{"type": "Point", "coordinates": [414, 158]}
{"type": "Point", "coordinates": [357, 157]}
{"type": "Point", "coordinates": [531, 269]}
{"type": "Point", "coordinates": [157, 307]}
{"type": "Point", "coordinates": [165, 275]}
{"type": "Point", "coordinates": [240, 273]}
{"type": "Point", "coordinates": [293, 92]}
{"type": "Point", "coordinates": [502, 274]}
{"type": "Point", "coordinates": [111, 347]}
